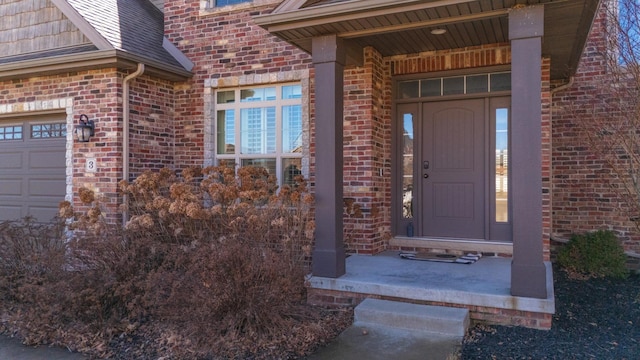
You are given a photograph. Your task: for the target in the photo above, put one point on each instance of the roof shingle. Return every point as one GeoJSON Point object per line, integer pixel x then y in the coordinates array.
{"type": "Point", "coordinates": [133, 26]}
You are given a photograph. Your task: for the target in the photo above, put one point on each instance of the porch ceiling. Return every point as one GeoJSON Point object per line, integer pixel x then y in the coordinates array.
{"type": "Point", "coordinates": [404, 26]}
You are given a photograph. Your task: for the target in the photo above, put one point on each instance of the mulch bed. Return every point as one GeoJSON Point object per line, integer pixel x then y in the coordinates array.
{"type": "Point", "coordinates": [595, 319]}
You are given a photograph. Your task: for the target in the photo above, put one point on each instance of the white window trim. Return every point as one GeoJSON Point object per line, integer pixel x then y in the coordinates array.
{"type": "Point", "coordinates": [258, 80]}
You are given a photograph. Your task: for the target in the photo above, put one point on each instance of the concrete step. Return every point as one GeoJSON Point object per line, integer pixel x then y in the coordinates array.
{"type": "Point", "coordinates": [424, 319]}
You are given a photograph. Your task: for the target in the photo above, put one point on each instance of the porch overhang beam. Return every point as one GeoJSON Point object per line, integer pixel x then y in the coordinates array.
{"type": "Point", "coordinates": [528, 271]}
{"type": "Point", "coordinates": [332, 13]}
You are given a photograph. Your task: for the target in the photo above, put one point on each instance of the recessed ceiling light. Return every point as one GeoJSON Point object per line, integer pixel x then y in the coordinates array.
{"type": "Point", "coordinates": [438, 31]}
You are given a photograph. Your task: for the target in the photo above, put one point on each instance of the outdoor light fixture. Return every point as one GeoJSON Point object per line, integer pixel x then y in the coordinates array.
{"type": "Point", "coordinates": [85, 130]}
{"type": "Point", "coordinates": [438, 31]}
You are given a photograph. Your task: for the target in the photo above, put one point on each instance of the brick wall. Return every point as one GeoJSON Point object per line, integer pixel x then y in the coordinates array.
{"type": "Point", "coordinates": [151, 125]}
{"type": "Point", "coordinates": [584, 185]}
{"type": "Point", "coordinates": [225, 44]}
{"type": "Point", "coordinates": [367, 154]}
{"type": "Point", "coordinates": [96, 93]}
{"type": "Point", "coordinates": [222, 43]}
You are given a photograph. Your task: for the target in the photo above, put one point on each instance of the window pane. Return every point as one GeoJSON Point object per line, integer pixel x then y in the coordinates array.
{"type": "Point", "coordinates": [220, 3]}
{"type": "Point", "coordinates": [502, 164]}
{"type": "Point", "coordinates": [259, 94]}
{"type": "Point", "coordinates": [269, 164]}
{"type": "Point", "coordinates": [225, 97]}
{"type": "Point", "coordinates": [407, 166]}
{"type": "Point", "coordinates": [501, 82]}
{"type": "Point", "coordinates": [453, 86]}
{"type": "Point", "coordinates": [409, 89]}
{"type": "Point", "coordinates": [226, 133]}
{"type": "Point", "coordinates": [292, 92]}
{"type": "Point", "coordinates": [48, 131]}
{"type": "Point", "coordinates": [258, 130]}
{"type": "Point", "coordinates": [290, 169]}
{"type": "Point", "coordinates": [431, 87]}
{"type": "Point", "coordinates": [292, 129]}
{"type": "Point", "coordinates": [10, 132]}
{"type": "Point", "coordinates": [477, 84]}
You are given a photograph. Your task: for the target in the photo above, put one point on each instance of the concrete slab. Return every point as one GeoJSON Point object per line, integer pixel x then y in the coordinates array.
{"type": "Point", "coordinates": [419, 319]}
{"type": "Point", "coordinates": [12, 349]}
{"type": "Point", "coordinates": [380, 343]}
{"type": "Point", "coordinates": [487, 282]}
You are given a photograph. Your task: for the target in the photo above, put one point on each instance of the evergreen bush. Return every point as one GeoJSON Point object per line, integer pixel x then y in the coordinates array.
{"type": "Point", "coordinates": [594, 254]}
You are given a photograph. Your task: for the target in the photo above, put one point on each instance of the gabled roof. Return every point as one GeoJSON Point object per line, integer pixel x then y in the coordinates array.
{"type": "Point", "coordinates": [396, 27]}
{"type": "Point", "coordinates": [122, 33]}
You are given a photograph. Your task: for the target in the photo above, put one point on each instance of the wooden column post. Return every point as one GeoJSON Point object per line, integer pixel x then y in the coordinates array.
{"type": "Point", "coordinates": [328, 60]}
{"type": "Point", "coordinates": [528, 272]}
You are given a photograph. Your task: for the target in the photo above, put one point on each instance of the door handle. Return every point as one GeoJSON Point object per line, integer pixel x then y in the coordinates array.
{"type": "Point", "coordinates": [426, 176]}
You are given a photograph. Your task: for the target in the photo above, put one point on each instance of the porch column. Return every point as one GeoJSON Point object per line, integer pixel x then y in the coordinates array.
{"type": "Point", "coordinates": [328, 60]}
{"type": "Point", "coordinates": [528, 272]}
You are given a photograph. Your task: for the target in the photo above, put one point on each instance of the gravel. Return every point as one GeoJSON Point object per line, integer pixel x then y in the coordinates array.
{"type": "Point", "coordinates": [595, 319]}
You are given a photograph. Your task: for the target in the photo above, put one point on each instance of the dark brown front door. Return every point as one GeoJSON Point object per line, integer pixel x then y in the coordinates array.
{"type": "Point", "coordinates": [453, 169]}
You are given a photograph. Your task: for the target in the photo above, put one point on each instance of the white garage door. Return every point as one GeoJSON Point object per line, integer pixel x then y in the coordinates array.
{"type": "Point", "coordinates": [32, 166]}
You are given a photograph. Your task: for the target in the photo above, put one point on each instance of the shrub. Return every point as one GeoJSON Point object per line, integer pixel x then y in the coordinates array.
{"type": "Point", "coordinates": [30, 252]}
{"type": "Point", "coordinates": [594, 254]}
{"type": "Point", "coordinates": [209, 264]}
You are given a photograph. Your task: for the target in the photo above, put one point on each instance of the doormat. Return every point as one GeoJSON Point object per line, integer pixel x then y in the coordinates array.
{"type": "Point", "coordinates": [446, 258]}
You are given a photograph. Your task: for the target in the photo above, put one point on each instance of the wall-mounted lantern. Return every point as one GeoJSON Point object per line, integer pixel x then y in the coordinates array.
{"type": "Point", "coordinates": [85, 130]}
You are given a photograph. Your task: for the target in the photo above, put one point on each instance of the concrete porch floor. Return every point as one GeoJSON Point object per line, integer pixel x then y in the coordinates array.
{"type": "Point", "coordinates": [485, 283]}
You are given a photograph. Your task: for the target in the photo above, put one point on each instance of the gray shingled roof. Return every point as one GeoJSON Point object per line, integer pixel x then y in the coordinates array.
{"type": "Point", "coordinates": [134, 26]}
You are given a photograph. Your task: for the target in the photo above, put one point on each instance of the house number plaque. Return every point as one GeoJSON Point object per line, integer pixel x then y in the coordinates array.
{"type": "Point", "coordinates": [91, 165]}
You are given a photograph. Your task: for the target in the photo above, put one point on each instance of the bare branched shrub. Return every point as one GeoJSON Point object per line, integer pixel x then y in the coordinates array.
{"type": "Point", "coordinates": [30, 252]}
{"type": "Point", "coordinates": [611, 113]}
{"type": "Point", "coordinates": [221, 258]}
{"type": "Point", "coordinates": [209, 264]}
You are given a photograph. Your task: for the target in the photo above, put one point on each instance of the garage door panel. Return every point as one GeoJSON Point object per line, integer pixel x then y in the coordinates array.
{"type": "Point", "coordinates": [11, 159]}
{"type": "Point", "coordinates": [47, 159]}
{"type": "Point", "coordinates": [43, 213]}
{"type": "Point", "coordinates": [9, 187]}
{"type": "Point", "coordinates": [10, 212]}
{"type": "Point", "coordinates": [46, 187]}
{"type": "Point", "coordinates": [33, 167]}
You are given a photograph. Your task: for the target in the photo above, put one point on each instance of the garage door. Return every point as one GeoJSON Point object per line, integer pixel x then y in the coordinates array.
{"type": "Point", "coordinates": [32, 167]}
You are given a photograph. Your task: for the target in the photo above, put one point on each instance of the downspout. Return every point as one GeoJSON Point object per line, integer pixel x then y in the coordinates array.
{"type": "Point", "coordinates": [562, 87]}
{"type": "Point", "coordinates": [125, 133]}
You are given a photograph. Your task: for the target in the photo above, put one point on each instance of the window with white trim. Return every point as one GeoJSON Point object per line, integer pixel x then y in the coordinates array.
{"type": "Point", "coordinates": [261, 126]}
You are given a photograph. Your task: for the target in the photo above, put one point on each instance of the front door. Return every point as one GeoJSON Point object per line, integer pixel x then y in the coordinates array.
{"type": "Point", "coordinates": [452, 169]}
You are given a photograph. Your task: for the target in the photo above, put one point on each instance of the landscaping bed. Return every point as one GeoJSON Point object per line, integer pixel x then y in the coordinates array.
{"type": "Point", "coordinates": [598, 318]}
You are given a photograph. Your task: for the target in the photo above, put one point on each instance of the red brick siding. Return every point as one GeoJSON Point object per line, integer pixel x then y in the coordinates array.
{"type": "Point", "coordinates": [221, 44]}
{"type": "Point", "coordinates": [151, 130]}
{"type": "Point", "coordinates": [367, 154]}
{"type": "Point", "coordinates": [455, 59]}
{"type": "Point", "coordinates": [584, 195]}
{"type": "Point", "coordinates": [96, 93]}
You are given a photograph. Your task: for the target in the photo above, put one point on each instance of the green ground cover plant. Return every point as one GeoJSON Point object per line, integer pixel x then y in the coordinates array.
{"type": "Point", "coordinates": [594, 254]}
{"type": "Point", "coordinates": [210, 264]}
